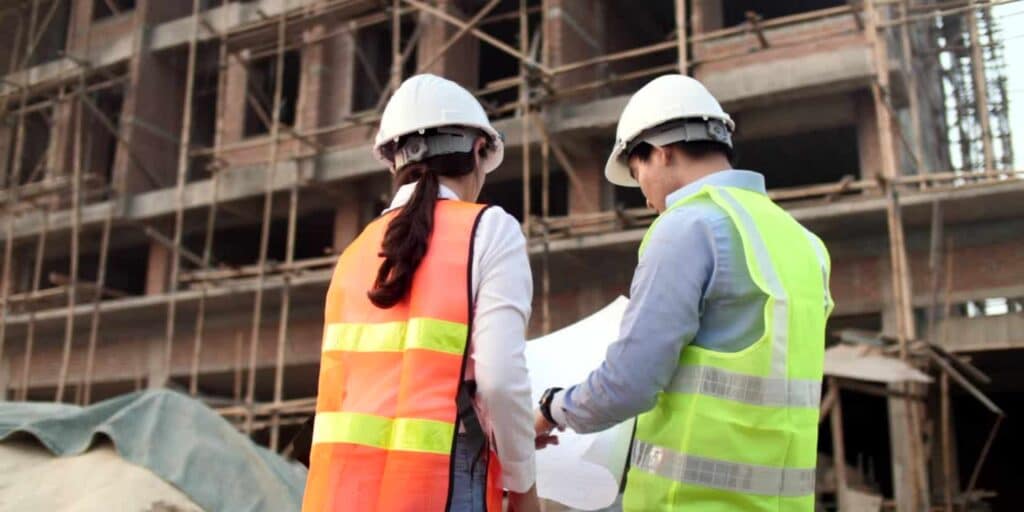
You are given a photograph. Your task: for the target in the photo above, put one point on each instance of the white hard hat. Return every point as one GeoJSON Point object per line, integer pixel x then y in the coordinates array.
{"type": "Point", "coordinates": [427, 101]}
{"type": "Point", "coordinates": [665, 99]}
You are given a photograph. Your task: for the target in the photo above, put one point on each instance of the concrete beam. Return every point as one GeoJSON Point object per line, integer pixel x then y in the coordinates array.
{"type": "Point", "coordinates": [963, 334]}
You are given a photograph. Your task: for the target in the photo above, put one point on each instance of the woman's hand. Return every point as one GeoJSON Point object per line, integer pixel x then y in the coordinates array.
{"type": "Point", "coordinates": [524, 501]}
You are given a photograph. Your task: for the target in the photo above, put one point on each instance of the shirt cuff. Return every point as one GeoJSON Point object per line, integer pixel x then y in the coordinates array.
{"type": "Point", "coordinates": [558, 408]}
{"type": "Point", "coordinates": [518, 476]}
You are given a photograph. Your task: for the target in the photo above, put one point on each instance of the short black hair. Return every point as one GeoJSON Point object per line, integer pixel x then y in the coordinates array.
{"type": "Point", "coordinates": [692, 149]}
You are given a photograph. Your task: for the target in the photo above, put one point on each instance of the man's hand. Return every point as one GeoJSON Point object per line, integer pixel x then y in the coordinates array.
{"type": "Point", "coordinates": [542, 427]}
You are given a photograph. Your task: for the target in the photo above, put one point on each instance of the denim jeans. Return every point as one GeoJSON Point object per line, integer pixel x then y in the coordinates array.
{"type": "Point", "coordinates": [469, 491]}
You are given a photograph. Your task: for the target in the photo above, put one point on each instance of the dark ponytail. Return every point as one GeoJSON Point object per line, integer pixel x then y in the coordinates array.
{"type": "Point", "coordinates": [408, 235]}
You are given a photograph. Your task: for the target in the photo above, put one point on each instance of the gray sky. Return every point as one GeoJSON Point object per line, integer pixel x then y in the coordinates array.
{"type": "Point", "coordinates": [1011, 18]}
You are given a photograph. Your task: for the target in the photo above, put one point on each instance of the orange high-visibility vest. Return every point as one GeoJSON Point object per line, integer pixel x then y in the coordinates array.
{"type": "Point", "coordinates": [386, 414]}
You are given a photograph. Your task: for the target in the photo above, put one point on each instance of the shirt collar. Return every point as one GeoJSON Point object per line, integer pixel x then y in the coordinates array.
{"type": "Point", "coordinates": [404, 193]}
{"type": "Point", "coordinates": [747, 180]}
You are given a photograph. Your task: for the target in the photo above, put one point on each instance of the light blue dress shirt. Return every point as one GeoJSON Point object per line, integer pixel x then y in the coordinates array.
{"type": "Point", "coordinates": [691, 285]}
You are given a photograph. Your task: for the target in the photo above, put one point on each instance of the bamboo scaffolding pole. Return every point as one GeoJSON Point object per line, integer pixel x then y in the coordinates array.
{"type": "Point", "coordinates": [545, 202]}
{"type": "Point", "coordinates": [268, 200]}
{"type": "Point", "coordinates": [211, 214]}
{"type": "Point", "coordinates": [614, 57]}
{"type": "Point", "coordinates": [524, 105]}
{"type": "Point", "coordinates": [5, 289]}
{"type": "Point", "coordinates": [44, 105]}
{"type": "Point", "coordinates": [838, 443]}
{"type": "Point", "coordinates": [19, 146]}
{"type": "Point", "coordinates": [40, 32]}
{"type": "Point", "coordinates": [935, 265]}
{"type": "Point", "coordinates": [739, 30]}
{"type": "Point", "coordinates": [286, 299]}
{"type": "Point", "coordinates": [976, 472]}
{"type": "Point", "coordinates": [252, 270]}
{"type": "Point", "coordinates": [521, 54]}
{"type": "Point", "coordinates": [399, 58]}
{"type": "Point", "coordinates": [471, 24]}
{"type": "Point", "coordinates": [396, 45]}
{"type": "Point", "coordinates": [179, 201]}
{"type": "Point", "coordinates": [94, 321]}
{"type": "Point", "coordinates": [112, 129]}
{"type": "Point", "coordinates": [76, 221]}
{"type": "Point", "coordinates": [572, 91]}
{"type": "Point", "coordinates": [30, 333]}
{"type": "Point", "coordinates": [31, 35]}
{"type": "Point", "coordinates": [509, 16]}
{"type": "Point", "coordinates": [681, 33]}
{"type": "Point", "coordinates": [947, 442]}
{"type": "Point", "coordinates": [239, 362]}
{"type": "Point", "coordinates": [12, 66]}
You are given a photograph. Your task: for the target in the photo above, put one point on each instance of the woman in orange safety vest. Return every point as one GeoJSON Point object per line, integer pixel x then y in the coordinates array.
{"type": "Point", "coordinates": [424, 402]}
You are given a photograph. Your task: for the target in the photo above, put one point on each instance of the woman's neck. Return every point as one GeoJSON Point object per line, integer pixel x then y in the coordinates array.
{"type": "Point", "coordinates": [461, 186]}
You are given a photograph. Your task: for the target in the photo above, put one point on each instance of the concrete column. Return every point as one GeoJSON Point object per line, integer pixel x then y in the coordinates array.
{"type": "Point", "coordinates": [574, 32]}
{"type": "Point", "coordinates": [346, 219]}
{"type": "Point", "coordinates": [234, 98]}
{"type": "Point", "coordinates": [80, 18]}
{"type": "Point", "coordinates": [867, 137]}
{"type": "Point", "coordinates": [8, 31]}
{"type": "Point", "coordinates": [326, 86]}
{"type": "Point", "coordinates": [5, 377]}
{"type": "Point", "coordinates": [7, 131]}
{"type": "Point", "coordinates": [706, 16]}
{"type": "Point", "coordinates": [459, 63]}
{"type": "Point", "coordinates": [591, 197]}
{"type": "Point", "coordinates": [152, 112]}
{"type": "Point", "coordinates": [157, 268]}
{"type": "Point", "coordinates": [60, 155]}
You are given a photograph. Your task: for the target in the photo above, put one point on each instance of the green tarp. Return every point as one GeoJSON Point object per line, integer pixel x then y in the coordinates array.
{"type": "Point", "coordinates": [178, 438]}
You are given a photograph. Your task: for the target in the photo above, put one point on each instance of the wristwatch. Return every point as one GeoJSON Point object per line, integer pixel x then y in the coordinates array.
{"type": "Point", "coordinates": [545, 404]}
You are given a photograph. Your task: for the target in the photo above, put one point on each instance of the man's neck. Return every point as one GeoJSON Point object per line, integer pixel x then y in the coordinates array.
{"type": "Point", "coordinates": [697, 170]}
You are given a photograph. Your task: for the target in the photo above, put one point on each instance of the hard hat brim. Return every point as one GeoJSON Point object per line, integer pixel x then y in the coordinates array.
{"type": "Point", "coordinates": [617, 172]}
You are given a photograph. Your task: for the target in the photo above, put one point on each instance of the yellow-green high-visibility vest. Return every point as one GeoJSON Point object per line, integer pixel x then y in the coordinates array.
{"type": "Point", "coordinates": [738, 431]}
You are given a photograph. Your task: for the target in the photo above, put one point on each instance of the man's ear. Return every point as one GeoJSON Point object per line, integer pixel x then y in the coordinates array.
{"type": "Point", "coordinates": [663, 155]}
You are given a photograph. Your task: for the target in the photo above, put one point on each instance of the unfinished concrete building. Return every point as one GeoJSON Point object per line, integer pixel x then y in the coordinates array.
{"type": "Point", "coordinates": [178, 178]}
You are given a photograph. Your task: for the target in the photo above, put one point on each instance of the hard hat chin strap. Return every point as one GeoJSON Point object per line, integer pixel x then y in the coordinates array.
{"type": "Point", "coordinates": [443, 141]}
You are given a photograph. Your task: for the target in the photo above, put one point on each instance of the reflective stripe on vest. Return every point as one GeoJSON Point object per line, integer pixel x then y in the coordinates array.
{"type": "Point", "coordinates": [417, 333]}
{"type": "Point", "coordinates": [409, 434]}
{"type": "Point", "coordinates": [722, 474]}
{"type": "Point", "coordinates": [736, 431]}
{"type": "Point", "coordinates": [768, 391]}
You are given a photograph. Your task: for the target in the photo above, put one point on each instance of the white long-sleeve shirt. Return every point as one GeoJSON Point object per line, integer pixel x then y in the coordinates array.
{"type": "Point", "coordinates": [502, 286]}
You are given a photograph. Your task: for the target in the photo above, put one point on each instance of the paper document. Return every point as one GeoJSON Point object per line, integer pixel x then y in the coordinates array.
{"type": "Point", "coordinates": [583, 471]}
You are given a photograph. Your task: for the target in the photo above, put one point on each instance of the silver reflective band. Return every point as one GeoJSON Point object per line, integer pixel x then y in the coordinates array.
{"type": "Point", "coordinates": [780, 308]}
{"type": "Point", "coordinates": [818, 249]}
{"type": "Point", "coordinates": [749, 389]}
{"type": "Point", "coordinates": [719, 474]}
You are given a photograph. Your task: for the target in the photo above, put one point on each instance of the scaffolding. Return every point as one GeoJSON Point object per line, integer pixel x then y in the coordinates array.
{"type": "Point", "coordinates": [964, 39]}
